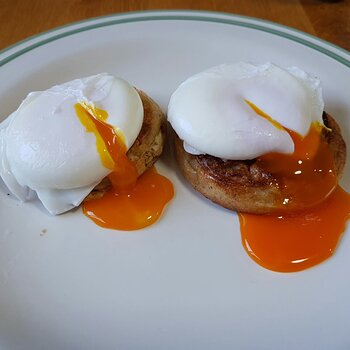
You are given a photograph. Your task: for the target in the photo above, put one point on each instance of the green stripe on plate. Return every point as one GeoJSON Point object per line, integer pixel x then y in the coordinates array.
{"type": "Point", "coordinates": [235, 20]}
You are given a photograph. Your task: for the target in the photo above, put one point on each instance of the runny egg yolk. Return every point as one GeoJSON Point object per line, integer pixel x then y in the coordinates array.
{"type": "Point", "coordinates": [132, 202]}
{"type": "Point", "coordinates": [298, 240]}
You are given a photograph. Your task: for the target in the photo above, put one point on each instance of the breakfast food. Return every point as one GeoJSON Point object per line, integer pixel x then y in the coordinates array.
{"type": "Point", "coordinates": [80, 139]}
{"type": "Point", "coordinates": [256, 139]}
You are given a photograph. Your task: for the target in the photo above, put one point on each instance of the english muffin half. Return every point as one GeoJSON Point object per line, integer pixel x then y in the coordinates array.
{"type": "Point", "coordinates": [244, 186]}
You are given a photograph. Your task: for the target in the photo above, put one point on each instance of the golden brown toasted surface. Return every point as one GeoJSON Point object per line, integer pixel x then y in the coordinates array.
{"type": "Point", "coordinates": [243, 185]}
{"type": "Point", "coordinates": [148, 146]}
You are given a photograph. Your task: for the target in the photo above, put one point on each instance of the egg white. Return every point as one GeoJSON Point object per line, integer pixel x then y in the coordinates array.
{"type": "Point", "coordinates": [210, 113]}
{"type": "Point", "coordinates": [44, 148]}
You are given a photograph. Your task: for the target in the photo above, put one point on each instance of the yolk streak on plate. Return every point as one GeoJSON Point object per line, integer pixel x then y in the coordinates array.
{"type": "Point", "coordinates": [132, 202]}
{"type": "Point", "coordinates": [298, 240]}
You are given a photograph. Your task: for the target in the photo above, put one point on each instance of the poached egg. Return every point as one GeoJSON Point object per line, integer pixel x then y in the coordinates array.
{"type": "Point", "coordinates": [214, 112]}
{"type": "Point", "coordinates": [45, 149]}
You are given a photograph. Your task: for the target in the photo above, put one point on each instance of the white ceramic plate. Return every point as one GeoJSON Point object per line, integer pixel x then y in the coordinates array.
{"type": "Point", "coordinates": [186, 282]}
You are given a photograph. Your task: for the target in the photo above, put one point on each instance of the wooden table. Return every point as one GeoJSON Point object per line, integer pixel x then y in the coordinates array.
{"type": "Point", "coordinates": [329, 20]}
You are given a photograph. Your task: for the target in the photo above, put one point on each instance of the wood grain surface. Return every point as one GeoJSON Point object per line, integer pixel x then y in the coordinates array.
{"type": "Point", "coordinates": [329, 20]}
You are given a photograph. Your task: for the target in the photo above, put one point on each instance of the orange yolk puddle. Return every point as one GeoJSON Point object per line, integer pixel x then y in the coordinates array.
{"type": "Point", "coordinates": [299, 240]}
{"type": "Point", "coordinates": [132, 203]}
{"type": "Point", "coordinates": [294, 243]}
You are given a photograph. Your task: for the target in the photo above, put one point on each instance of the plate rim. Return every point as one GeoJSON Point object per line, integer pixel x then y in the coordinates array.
{"type": "Point", "coordinates": [259, 281]}
{"type": "Point", "coordinates": [280, 30]}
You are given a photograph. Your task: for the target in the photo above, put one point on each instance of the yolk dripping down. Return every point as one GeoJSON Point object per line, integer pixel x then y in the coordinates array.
{"type": "Point", "coordinates": [296, 242]}
{"type": "Point", "coordinates": [132, 203]}
{"type": "Point", "coordinates": [299, 240]}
